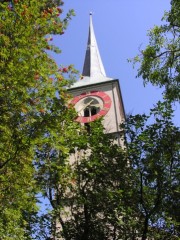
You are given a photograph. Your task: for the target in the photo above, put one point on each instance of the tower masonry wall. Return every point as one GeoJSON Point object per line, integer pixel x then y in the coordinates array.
{"type": "Point", "coordinates": [115, 116]}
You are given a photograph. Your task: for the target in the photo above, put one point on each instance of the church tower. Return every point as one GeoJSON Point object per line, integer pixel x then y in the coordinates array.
{"type": "Point", "coordinates": [97, 95]}
{"type": "Point", "coordinates": [94, 96]}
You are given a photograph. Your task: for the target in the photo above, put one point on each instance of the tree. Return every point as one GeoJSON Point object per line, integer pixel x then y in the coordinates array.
{"type": "Point", "coordinates": [93, 199]}
{"type": "Point", "coordinates": [33, 101]}
{"type": "Point", "coordinates": [153, 153]}
{"type": "Point", "coordinates": [154, 148]}
{"type": "Point", "coordinates": [106, 192]}
{"type": "Point", "coordinates": [159, 61]}
{"type": "Point", "coordinates": [153, 141]}
{"type": "Point", "coordinates": [114, 193]}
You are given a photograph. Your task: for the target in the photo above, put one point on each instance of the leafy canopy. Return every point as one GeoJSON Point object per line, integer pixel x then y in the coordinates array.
{"type": "Point", "coordinates": [33, 105]}
{"type": "Point", "coordinates": [159, 61]}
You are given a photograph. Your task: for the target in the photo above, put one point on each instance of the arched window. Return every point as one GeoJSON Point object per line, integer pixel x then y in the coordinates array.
{"type": "Point", "coordinates": [92, 109]}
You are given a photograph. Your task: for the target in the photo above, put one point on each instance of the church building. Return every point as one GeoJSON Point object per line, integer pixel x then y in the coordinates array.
{"type": "Point", "coordinates": [94, 96]}
{"type": "Point", "coordinates": [97, 95]}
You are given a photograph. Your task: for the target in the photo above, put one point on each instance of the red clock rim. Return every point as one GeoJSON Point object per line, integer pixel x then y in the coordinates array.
{"type": "Point", "coordinates": [106, 105]}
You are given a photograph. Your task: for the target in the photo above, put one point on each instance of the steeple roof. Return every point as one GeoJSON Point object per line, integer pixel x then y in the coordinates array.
{"type": "Point", "coordinates": [93, 65]}
{"type": "Point", "coordinates": [93, 69]}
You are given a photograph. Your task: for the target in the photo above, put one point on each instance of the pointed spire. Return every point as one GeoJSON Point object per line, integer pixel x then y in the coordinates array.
{"type": "Point", "coordinates": [93, 66]}
{"type": "Point", "coordinates": [93, 70]}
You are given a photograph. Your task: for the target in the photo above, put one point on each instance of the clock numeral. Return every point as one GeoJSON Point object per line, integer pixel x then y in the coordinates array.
{"type": "Point", "coordinates": [83, 94]}
{"type": "Point", "coordinates": [105, 109]}
{"type": "Point", "coordinates": [85, 119]}
{"type": "Point", "coordinates": [107, 102]}
{"type": "Point", "coordinates": [94, 92]}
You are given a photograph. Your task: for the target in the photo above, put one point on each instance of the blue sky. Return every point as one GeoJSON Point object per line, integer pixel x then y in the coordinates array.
{"type": "Point", "coordinates": [121, 27]}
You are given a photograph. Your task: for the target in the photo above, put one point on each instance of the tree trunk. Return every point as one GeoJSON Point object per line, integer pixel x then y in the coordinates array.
{"type": "Point", "coordinates": [145, 230]}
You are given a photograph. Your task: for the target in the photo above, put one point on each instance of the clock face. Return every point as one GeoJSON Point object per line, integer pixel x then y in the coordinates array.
{"type": "Point", "coordinates": [91, 105]}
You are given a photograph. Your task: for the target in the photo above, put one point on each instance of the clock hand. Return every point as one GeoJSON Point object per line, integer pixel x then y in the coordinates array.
{"type": "Point", "coordinates": [86, 105]}
{"type": "Point", "coordinates": [96, 105]}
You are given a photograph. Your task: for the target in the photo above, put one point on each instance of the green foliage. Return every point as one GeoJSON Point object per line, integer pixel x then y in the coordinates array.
{"type": "Point", "coordinates": [33, 103]}
{"type": "Point", "coordinates": [153, 153]}
{"type": "Point", "coordinates": [154, 148]}
{"type": "Point", "coordinates": [159, 61]}
{"type": "Point", "coordinates": [106, 191]}
{"type": "Point", "coordinates": [90, 200]}
{"type": "Point", "coordinates": [93, 188]}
